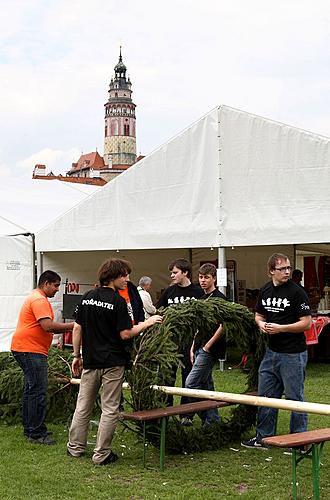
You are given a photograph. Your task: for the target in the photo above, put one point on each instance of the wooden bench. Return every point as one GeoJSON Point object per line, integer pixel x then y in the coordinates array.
{"type": "Point", "coordinates": [162, 414]}
{"type": "Point", "coordinates": [312, 443]}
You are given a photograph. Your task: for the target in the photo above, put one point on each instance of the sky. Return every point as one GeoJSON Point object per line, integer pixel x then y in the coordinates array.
{"type": "Point", "coordinates": [183, 57]}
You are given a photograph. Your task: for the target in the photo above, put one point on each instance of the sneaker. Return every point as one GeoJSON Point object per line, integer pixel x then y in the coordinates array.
{"type": "Point", "coordinates": [255, 443]}
{"type": "Point", "coordinates": [186, 422]}
{"type": "Point", "coordinates": [42, 440]}
{"type": "Point", "coordinates": [110, 459]}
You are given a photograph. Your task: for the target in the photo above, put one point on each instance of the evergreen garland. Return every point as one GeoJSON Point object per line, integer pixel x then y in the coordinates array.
{"type": "Point", "coordinates": [61, 395]}
{"type": "Point", "coordinates": [156, 351]}
{"type": "Point", "coordinates": [153, 355]}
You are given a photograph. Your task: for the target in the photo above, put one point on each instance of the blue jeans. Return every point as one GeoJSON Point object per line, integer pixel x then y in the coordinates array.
{"type": "Point", "coordinates": [281, 373]}
{"type": "Point", "coordinates": [34, 405]}
{"type": "Point", "coordinates": [200, 377]}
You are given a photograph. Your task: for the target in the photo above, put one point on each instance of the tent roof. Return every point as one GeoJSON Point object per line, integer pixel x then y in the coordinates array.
{"type": "Point", "coordinates": [230, 179]}
{"type": "Point", "coordinates": [26, 205]}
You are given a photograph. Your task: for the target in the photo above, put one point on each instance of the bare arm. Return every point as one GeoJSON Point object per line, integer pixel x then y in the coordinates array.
{"type": "Point", "coordinates": [137, 329]}
{"type": "Point", "coordinates": [215, 337]}
{"type": "Point", "coordinates": [53, 326]}
{"type": "Point", "coordinates": [261, 321]}
{"type": "Point", "coordinates": [77, 362]}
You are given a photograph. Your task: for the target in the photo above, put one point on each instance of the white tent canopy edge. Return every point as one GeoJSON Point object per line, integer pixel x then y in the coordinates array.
{"type": "Point", "coordinates": [230, 179]}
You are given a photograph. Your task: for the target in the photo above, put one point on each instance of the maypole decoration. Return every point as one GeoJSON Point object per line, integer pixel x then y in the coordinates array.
{"type": "Point", "coordinates": [156, 351]}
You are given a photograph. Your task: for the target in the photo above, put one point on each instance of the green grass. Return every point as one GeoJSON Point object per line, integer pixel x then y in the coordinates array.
{"type": "Point", "coordinates": [45, 472]}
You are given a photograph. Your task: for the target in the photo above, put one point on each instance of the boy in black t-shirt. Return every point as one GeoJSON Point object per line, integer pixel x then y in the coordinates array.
{"type": "Point", "coordinates": [179, 292]}
{"type": "Point", "coordinates": [102, 326]}
{"type": "Point", "coordinates": [203, 355]}
{"type": "Point", "coordinates": [283, 313]}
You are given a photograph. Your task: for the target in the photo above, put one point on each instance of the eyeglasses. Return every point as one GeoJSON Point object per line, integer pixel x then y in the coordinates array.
{"type": "Point", "coordinates": [283, 269]}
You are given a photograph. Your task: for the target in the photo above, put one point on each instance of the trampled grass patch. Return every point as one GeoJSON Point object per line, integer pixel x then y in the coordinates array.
{"type": "Point", "coordinates": [45, 472]}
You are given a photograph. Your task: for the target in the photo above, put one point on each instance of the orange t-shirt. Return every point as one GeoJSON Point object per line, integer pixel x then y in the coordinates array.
{"type": "Point", "coordinates": [124, 293]}
{"type": "Point", "coordinates": [29, 336]}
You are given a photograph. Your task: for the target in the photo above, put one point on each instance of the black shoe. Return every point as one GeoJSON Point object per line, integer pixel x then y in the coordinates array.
{"type": "Point", "coordinates": [110, 459]}
{"type": "Point", "coordinates": [42, 440]}
{"type": "Point", "coordinates": [255, 444]}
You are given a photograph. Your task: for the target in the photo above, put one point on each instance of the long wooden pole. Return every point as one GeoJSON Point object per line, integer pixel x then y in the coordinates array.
{"type": "Point", "coordinates": [284, 404]}
{"type": "Point", "coordinates": [76, 381]}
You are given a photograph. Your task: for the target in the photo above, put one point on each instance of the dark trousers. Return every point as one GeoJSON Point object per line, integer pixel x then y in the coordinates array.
{"type": "Point", "coordinates": [34, 404]}
{"type": "Point", "coordinates": [185, 370]}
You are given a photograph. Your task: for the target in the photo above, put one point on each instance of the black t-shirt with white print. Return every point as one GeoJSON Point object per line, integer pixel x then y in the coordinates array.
{"type": "Point", "coordinates": [284, 304]}
{"type": "Point", "coordinates": [102, 314]}
{"type": "Point", "coordinates": [175, 294]}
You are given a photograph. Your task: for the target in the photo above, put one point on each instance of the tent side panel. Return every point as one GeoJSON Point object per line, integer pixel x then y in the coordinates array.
{"type": "Point", "coordinates": [276, 182]}
{"type": "Point", "coordinates": [16, 277]}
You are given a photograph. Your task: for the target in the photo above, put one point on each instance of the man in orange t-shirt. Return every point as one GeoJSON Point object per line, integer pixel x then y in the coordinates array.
{"type": "Point", "coordinates": [30, 344]}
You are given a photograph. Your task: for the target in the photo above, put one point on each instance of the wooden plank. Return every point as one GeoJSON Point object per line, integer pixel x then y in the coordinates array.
{"type": "Point", "coordinates": [285, 404]}
{"type": "Point", "coordinates": [298, 438]}
{"type": "Point", "coordinates": [173, 410]}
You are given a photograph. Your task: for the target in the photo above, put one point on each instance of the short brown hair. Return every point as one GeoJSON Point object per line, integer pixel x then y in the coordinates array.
{"type": "Point", "coordinates": [272, 261]}
{"type": "Point", "coordinates": [112, 269]}
{"type": "Point", "coordinates": [183, 264]}
{"type": "Point", "coordinates": [208, 268]}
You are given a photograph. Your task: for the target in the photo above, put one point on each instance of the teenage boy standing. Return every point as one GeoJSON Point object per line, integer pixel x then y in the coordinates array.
{"type": "Point", "coordinates": [203, 355]}
{"type": "Point", "coordinates": [102, 326]}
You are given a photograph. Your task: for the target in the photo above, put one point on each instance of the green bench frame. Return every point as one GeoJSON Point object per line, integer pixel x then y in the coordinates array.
{"type": "Point", "coordinates": [314, 441]}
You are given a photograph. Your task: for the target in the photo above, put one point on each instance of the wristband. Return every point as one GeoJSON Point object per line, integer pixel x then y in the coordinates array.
{"type": "Point", "coordinates": [76, 355]}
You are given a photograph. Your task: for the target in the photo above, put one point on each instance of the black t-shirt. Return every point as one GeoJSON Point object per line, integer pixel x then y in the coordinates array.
{"type": "Point", "coordinates": [218, 350]}
{"type": "Point", "coordinates": [284, 304]}
{"type": "Point", "coordinates": [102, 314]}
{"type": "Point", "coordinates": [176, 294]}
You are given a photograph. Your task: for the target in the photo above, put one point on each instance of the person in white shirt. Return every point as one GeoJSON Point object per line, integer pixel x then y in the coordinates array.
{"type": "Point", "coordinates": [144, 287]}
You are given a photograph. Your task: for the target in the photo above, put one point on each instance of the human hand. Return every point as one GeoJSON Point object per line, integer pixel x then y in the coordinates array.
{"type": "Point", "coordinates": [272, 328]}
{"type": "Point", "coordinates": [77, 366]}
{"type": "Point", "coordinates": [192, 357]}
{"type": "Point", "coordinates": [156, 318]}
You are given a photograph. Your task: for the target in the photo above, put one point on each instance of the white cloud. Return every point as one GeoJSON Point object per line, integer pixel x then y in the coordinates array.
{"type": "Point", "coordinates": [184, 58]}
{"type": "Point", "coordinates": [59, 162]}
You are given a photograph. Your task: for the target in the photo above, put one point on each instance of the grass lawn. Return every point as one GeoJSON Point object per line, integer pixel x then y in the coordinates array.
{"type": "Point", "coordinates": [32, 471]}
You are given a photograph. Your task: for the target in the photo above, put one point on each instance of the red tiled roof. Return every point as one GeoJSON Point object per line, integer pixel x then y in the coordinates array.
{"type": "Point", "coordinates": [90, 160]}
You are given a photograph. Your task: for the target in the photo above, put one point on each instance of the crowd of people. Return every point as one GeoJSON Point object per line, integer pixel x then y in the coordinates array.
{"type": "Point", "coordinates": [111, 314]}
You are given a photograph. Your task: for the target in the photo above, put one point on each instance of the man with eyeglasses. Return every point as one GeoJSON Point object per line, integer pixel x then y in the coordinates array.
{"type": "Point", "coordinates": [283, 313]}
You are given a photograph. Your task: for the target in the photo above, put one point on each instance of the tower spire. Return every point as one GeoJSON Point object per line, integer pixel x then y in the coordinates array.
{"type": "Point", "coordinates": [119, 133]}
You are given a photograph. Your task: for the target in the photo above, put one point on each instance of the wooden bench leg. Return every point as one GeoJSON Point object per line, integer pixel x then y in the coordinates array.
{"type": "Point", "coordinates": [162, 443]}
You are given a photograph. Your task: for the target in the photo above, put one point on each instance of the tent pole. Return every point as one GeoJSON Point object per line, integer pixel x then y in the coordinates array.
{"type": "Point", "coordinates": [222, 264]}
{"type": "Point", "coordinates": [39, 263]}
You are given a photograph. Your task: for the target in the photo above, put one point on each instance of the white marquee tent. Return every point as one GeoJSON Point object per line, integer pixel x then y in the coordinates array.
{"type": "Point", "coordinates": [231, 180]}
{"type": "Point", "coordinates": [31, 203]}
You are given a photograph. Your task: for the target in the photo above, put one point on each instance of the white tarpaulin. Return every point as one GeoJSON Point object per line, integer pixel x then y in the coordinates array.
{"type": "Point", "coordinates": [25, 206]}
{"type": "Point", "coordinates": [230, 179]}
{"type": "Point", "coordinates": [16, 271]}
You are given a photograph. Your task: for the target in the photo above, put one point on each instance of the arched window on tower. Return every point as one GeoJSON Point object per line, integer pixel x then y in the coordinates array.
{"type": "Point", "coordinates": [106, 131]}
{"type": "Point", "coordinates": [126, 129]}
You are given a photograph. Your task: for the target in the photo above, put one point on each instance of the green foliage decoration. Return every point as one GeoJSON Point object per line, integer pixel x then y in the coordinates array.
{"type": "Point", "coordinates": [157, 350]}
{"type": "Point", "coordinates": [154, 353]}
{"type": "Point", "coordinates": [61, 396]}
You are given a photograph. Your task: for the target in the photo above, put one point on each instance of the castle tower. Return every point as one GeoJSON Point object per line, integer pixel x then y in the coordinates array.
{"type": "Point", "coordinates": [119, 132]}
